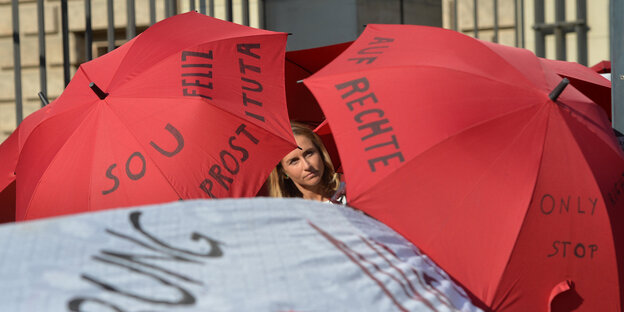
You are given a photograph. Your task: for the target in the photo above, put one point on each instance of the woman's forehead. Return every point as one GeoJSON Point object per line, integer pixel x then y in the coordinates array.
{"type": "Point", "coordinates": [303, 141]}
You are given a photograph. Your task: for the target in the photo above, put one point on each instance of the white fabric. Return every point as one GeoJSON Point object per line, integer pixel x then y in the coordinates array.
{"type": "Point", "coordinates": [261, 254]}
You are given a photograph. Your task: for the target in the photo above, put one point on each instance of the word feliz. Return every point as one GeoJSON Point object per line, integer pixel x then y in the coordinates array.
{"type": "Point", "coordinates": [229, 161]}
{"type": "Point", "coordinates": [145, 266]}
{"type": "Point", "coordinates": [198, 66]}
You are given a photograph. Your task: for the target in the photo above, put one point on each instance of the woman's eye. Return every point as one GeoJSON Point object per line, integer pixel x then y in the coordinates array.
{"type": "Point", "coordinates": [292, 161]}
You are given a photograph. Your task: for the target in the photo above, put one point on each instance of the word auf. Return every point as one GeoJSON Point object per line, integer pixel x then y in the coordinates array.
{"type": "Point", "coordinates": [580, 250]}
{"type": "Point", "coordinates": [197, 66]}
{"type": "Point", "coordinates": [376, 47]}
{"type": "Point", "coordinates": [384, 145]}
{"type": "Point", "coordinates": [162, 274]}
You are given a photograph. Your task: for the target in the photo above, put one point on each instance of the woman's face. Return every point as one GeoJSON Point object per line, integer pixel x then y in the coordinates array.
{"type": "Point", "coordinates": [304, 166]}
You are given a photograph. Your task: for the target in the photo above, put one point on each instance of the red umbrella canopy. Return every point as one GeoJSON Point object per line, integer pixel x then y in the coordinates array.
{"type": "Point", "coordinates": [585, 79]}
{"type": "Point", "coordinates": [602, 67]}
{"type": "Point", "coordinates": [194, 107]}
{"type": "Point", "coordinates": [9, 153]}
{"type": "Point", "coordinates": [514, 192]}
{"type": "Point", "coordinates": [300, 64]}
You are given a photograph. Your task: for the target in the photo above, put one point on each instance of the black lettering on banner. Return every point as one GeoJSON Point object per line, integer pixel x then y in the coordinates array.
{"type": "Point", "coordinates": [141, 173]}
{"type": "Point", "coordinates": [378, 40]}
{"type": "Point", "coordinates": [136, 258]}
{"type": "Point", "coordinates": [215, 249]}
{"type": "Point", "coordinates": [246, 48]}
{"type": "Point", "coordinates": [75, 305]}
{"type": "Point", "coordinates": [137, 268]}
{"type": "Point", "coordinates": [109, 174]}
{"type": "Point", "coordinates": [186, 297]}
{"type": "Point", "coordinates": [178, 137]}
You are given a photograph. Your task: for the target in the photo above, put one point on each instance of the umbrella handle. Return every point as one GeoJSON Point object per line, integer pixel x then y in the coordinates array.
{"type": "Point", "coordinates": [101, 94]}
{"type": "Point", "coordinates": [554, 94]}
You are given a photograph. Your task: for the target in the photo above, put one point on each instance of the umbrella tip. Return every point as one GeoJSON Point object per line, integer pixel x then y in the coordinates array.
{"type": "Point", "coordinates": [300, 81]}
{"type": "Point", "coordinates": [101, 94]}
{"type": "Point", "coordinates": [299, 147]}
{"type": "Point", "coordinates": [554, 94]}
{"type": "Point", "coordinates": [43, 98]}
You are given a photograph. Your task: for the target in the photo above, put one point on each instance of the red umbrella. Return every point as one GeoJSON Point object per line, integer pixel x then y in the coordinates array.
{"type": "Point", "coordinates": [514, 192]}
{"type": "Point", "coordinates": [300, 64]}
{"type": "Point", "coordinates": [192, 108]}
{"type": "Point", "coordinates": [586, 80]}
{"type": "Point", "coordinates": [324, 132]}
{"type": "Point", "coordinates": [9, 153]}
{"type": "Point", "coordinates": [602, 67]}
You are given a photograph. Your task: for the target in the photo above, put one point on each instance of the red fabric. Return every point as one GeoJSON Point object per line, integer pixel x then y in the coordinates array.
{"type": "Point", "coordinates": [586, 80]}
{"type": "Point", "coordinates": [300, 64]}
{"type": "Point", "coordinates": [460, 138]}
{"type": "Point", "coordinates": [602, 67]}
{"type": "Point", "coordinates": [9, 153]}
{"type": "Point", "coordinates": [324, 132]}
{"type": "Point", "coordinates": [153, 139]}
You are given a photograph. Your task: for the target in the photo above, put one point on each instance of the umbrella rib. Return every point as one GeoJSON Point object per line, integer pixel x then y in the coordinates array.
{"type": "Point", "coordinates": [355, 71]}
{"type": "Point", "coordinates": [299, 66]}
{"type": "Point", "coordinates": [73, 133]}
{"type": "Point", "coordinates": [230, 37]}
{"type": "Point", "coordinates": [144, 147]}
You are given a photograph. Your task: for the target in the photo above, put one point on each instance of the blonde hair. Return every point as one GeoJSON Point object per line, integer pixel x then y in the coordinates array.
{"type": "Point", "coordinates": [279, 186]}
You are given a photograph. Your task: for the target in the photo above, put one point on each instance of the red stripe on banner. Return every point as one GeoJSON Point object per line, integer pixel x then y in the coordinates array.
{"type": "Point", "coordinates": [343, 247]}
{"type": "Point", "coordinates": [416, 294]}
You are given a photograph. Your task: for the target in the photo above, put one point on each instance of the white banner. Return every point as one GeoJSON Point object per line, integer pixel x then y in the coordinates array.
{"type": "Point", "coordinates": [257, 254]}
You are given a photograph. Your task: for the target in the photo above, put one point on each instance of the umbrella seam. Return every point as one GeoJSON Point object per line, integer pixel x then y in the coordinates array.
{"type": "Point", "coordinates": [411, 66]}
{"type": "Point", "coordinates": [119, 86]}
{"type": "Point", "coordinates": [57, 152]}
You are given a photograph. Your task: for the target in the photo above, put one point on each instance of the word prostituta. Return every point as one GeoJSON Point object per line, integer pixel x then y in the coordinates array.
{"type": "Point", "coordinates": [228, 162]}
{"type": "Point", "coordinates": [384, 146]}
